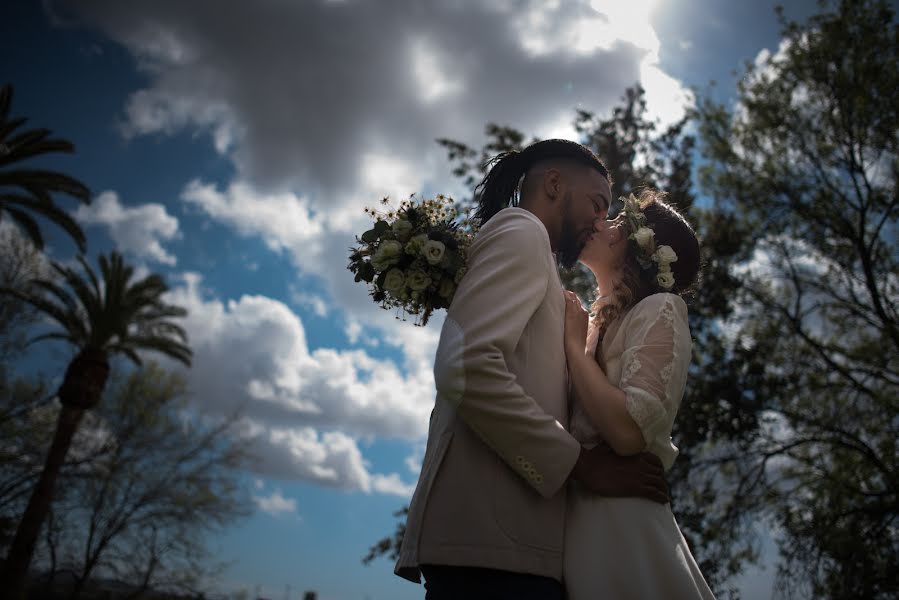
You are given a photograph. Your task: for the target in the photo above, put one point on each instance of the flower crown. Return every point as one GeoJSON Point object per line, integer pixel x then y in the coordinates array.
{"type": "Point", "coordinates": [643, 237]}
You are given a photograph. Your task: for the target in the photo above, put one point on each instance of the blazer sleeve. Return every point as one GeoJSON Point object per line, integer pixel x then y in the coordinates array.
{"type": "Point", "coordinates": [507, 280]}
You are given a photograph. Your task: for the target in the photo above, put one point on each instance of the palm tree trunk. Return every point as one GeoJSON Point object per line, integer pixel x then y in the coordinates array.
{"type": "Point", "coordinates": [19, 557]}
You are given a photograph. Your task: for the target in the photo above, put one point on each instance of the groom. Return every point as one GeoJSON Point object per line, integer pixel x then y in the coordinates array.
{"type": "Point", "coordinates": [488, 515]}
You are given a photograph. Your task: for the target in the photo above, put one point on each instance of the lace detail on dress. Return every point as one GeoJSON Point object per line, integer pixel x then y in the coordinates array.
{"type": "Point", "coordinates": [645, 411]}
{"type": "Point", "coordinates": [667, 372]}
{"type": "Point", "coordinates": [631, 365]}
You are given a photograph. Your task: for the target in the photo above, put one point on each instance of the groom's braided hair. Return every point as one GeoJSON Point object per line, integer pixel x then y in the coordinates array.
{"type": "Point", "coordinates": [499, 188]}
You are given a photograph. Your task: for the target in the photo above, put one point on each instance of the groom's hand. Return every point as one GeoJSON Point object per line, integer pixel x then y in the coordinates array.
{"type": "Point", "coordinates": [605, 473]}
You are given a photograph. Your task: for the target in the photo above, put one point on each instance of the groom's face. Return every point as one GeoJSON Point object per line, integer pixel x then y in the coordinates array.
{"type": "Point", "coordinates": [585, 202]}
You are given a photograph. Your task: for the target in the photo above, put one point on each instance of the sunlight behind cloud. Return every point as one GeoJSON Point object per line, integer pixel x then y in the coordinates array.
{"type": "Point", "coordinates": [433, 82]}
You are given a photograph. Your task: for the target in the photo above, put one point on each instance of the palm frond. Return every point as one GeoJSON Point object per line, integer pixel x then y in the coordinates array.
{"type": "Point", "coordinates": [167, 346]}
{"type": "Point", "coordinates": [55, 336]}
{"type": "Point", "coordinates": [50, 211]}
{"type": "Point", "coordinates": [163, 329]}
{"type": "Point", "coordinates": [28, 225]}
{"type": "Point", "coordinates": [127, 351]}
{"type": "Point", "coordinates": [69, 321]}
{"type": "Point", "coordinates": [30, 136]}
{"type": "Point", "coordinates": [91, 296]}
{"type": "Point", "coordinates": [59, 293]}
{"type": "Point", "coordinates": [50, 180]}
{"type": "Point", "coordinates": [7, 127]}
{"type": "Point", "coordinates": [33, 146]}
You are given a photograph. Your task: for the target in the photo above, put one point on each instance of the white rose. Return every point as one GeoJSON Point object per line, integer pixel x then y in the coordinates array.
{"type": "Point", "coordinates": [447, 288]}
{"type": "Point", "coordinates": [418, 280]}
{"type": "Point", "coordinates": [665, 279]}
{"type": "Point", "coordinates": [387, 255]}
{"type": "Point", "coordinates": [665, 255]}
{"type": "Point", "coordinates": [415, 245]}
{"type": "Point", "coordinates": [403, 229]}
{"type": "Point", "coordinates": [394, 281]}
{"type": "Point", "coordinates": [433, 251]}
{"type": "Point", "coordinates": [644, 236]}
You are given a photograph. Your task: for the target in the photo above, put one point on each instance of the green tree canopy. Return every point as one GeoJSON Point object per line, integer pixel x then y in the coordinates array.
{"type": "Point", "coordinates": [805, 166]}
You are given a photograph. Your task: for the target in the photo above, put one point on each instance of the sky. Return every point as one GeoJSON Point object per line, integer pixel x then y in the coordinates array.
{"type": "Point", "coordinates": [232, 146]}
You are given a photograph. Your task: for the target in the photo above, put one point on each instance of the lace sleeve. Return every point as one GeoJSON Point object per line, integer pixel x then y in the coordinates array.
{"type": "Point", "coordinates": [655, 362]}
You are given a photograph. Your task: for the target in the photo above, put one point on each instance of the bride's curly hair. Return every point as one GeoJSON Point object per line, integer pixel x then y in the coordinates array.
{"type": "Point", "coordinates": [671, 229]}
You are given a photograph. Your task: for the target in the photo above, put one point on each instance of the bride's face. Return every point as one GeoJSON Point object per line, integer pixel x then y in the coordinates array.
{"type": "Point", "coordinates": [606, 249]}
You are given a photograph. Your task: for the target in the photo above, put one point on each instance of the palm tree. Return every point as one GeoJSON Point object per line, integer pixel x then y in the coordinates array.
{"type": "Point", "coordinates": [24, 192]}
{"type": "Point", "coordinates": [99, 320]}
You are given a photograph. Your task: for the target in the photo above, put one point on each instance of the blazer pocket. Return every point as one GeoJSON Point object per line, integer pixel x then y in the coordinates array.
{"type": "Point", "coordinates": [526, 517]}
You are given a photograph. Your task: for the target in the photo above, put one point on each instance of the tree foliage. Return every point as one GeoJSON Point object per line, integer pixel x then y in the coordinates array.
{"type": "Point", "coordinates": [144, 485]}
{"type": "Point", "coordinates": [99, 316]}
{"type": "Point", "coordinates": [807, 162]}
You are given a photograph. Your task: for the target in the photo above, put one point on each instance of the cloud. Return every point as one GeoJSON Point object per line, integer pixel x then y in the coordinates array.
{"type": "Point", "coordinates": [276, 504]}
{"type": "Point", "coordinates": [297, 93]}
{"type": "Point", "coordinates": [313, 302]}
{"type": "Point", "coordinates": [303, 409]}
{"type": "Point", "coordinates": [137, 230]}
{"type": "Point", "coordinates": [392, 484]}
{"type": "Point", "coordinates": [278, 380]}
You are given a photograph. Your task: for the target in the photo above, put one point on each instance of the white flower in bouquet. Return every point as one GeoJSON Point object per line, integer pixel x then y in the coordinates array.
{"type": "Point", "coordinates": [433, 251]}
{"type": "Point", "coordinates": [447, 287]}
{"type": "Point", "coordinates": [394, 281]}
{"type": "Point", "coordinates": [403, 229]}
{"type": "Point", "coordinates": [387, 255]}
{"type": "Point", "coordinates": [417, 242]}
{"type": "Point", "coordinates": [418, 280]}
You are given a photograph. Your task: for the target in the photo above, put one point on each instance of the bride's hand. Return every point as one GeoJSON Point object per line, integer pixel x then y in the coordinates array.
{"type": "Point", "coordinates": [575, 324]}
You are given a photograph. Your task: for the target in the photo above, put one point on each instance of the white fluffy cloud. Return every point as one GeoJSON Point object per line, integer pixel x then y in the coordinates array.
{"type": "Point", "coordinates": [305, 409]}
{"type": "Point", "coordinates": [276, 504]}
{"type": "Point", "coordinates": [252, 353]}
{"type": "Point", "coordinates": [138, 230]}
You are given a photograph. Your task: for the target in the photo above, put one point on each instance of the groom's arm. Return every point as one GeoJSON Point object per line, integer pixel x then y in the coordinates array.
{"type": "Point", "coordinates": [507, 279]}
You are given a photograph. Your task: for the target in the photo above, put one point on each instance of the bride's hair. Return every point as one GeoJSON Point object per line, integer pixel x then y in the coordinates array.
{"type": "Point", "coordinates": [671, 229]}
{"type": "Point", "coordinates": [499, 187]}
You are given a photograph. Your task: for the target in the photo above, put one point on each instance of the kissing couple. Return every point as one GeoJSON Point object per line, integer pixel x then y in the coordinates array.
{"type": "Point", "coordinates": [544, 473]}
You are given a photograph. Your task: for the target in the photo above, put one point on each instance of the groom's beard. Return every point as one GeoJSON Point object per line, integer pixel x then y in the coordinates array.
{"type": "Point", "coordinates": [569, 246]}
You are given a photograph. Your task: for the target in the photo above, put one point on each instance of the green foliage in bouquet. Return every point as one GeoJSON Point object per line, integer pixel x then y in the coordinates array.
{"type": "Point", "coordinates": [414, 257]}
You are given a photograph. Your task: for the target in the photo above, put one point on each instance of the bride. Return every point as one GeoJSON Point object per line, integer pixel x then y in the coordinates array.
{"type": "Point", "coordinates": [628, 368]}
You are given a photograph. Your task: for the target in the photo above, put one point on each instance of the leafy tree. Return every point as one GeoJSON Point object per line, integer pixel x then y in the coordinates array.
{"type": "Point", "coordinates": [117, 317]}
{"type": "Point", "coordinates": [158, 482]}
{"type": "Point", "coordinates": [804, 167]}
{"type": "Point", "coordinates": [26, 192]}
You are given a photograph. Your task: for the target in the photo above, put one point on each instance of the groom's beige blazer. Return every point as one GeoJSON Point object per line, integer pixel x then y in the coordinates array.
{"type": "Point", "coordinates": [492, 487]}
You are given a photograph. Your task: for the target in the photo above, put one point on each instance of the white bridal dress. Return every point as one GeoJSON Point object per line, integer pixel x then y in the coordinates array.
{"type": "Point", "coordinates": [631, 548]}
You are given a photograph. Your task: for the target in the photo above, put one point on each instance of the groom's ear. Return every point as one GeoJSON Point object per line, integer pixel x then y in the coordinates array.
{"type": "Point", "coordinates": [552, 183]}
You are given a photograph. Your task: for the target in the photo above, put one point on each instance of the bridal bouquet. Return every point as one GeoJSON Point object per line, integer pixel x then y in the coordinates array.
{"type": "Point", "coordinates": [414, 257]}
